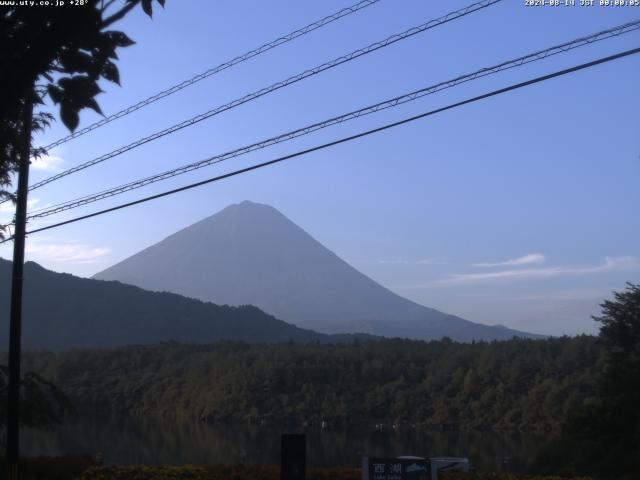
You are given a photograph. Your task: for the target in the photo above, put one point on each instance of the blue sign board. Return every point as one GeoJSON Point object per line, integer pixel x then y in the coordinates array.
{"type": "Point", "coordinates": [395, 469]}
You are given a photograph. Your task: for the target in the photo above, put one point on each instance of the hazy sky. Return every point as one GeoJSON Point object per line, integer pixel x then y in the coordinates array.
{"type": "Point", "coordinates": [520, 210]}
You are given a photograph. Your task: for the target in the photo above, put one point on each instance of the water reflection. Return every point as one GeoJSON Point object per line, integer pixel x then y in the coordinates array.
{"type": "Point", "coordinates": [125, 440]}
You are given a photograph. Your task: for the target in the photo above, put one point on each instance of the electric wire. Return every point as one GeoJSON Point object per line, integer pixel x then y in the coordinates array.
{"type": "Point", "coordinates": [523, 60]}
{"type": "Point", "coordinates": [345, 139]}
{"type": "Point", "coordinates": [212, 71]}
{"type": "Point", "coordinates": [276, 86]}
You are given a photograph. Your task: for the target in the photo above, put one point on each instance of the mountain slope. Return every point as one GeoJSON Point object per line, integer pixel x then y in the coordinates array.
{"type": "Point", "coordinates": [62, 311]}
{"type": "Point", "coordinates": [250, 253]}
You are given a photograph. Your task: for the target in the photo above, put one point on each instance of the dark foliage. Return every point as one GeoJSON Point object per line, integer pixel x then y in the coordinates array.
{"type": "Point", "coordinates": [58, 52]}
{"type": "Point", "coordinates": [602, 436]}
{"type": "Point", "coordinates": [43, 404]}
{"type": "Point", "coordinates": [620, 381]}
{"type": "Point", "coordinates": [518, 384]}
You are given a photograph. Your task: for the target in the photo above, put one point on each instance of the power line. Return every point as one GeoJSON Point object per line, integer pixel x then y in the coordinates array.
{"type": "Point", "coordinates": [276, 86]}
{"type": "Point", "coordinates": [212, 71]}
{"type": "Point", "coordinates": [345, 139]}
{"type": "Point", "coordinates": [529, 58]}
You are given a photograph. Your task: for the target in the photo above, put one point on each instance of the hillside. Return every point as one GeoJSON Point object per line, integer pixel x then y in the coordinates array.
{"type": "Point", "coordinates": [250, 253]}
{"type": "Point", "coordinates": [62, 311]}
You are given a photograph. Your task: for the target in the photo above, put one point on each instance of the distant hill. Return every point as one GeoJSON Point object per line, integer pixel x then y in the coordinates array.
{"type": "Point", "coordinates": [62, 311]}
{"type": "Point", "coordinates": [250, 253]}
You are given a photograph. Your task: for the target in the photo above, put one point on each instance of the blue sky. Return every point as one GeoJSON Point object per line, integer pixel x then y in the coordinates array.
{"type": "Point", "coordinates": [519, 210]}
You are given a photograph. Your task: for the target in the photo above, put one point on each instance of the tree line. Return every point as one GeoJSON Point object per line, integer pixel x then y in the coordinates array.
{"type": "Point", "coordinates": [513, 385]}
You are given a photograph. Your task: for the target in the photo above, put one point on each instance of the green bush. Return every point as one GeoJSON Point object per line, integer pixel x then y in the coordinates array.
{"type": "Point", "coordinates": [501, 476]}
{"type": "Point", "coordinates": [267, 472]}
{"type": "Point", "coordinates": [145, 473]}
{"type": "Point", "coordinates": [217, 472]}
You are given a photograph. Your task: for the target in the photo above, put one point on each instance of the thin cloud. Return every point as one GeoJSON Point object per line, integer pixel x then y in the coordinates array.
{"type": "Point", "coordinates": [9, 207]}
{"type": "Point", "coordinates": [609, 264]}
{"type": "Point", "coordinates": [423, 261]}
{"type": "Point", "coordinates": [65, 252]}
{"type": "Point", "coordinates": [563, 295]}
{"type": "Point", "coordinates": [47, 163]}
{"type": "Point", "coordinates": [528, 259]}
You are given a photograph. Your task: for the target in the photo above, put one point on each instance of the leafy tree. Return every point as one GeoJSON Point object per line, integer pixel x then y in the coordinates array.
{"type": "Point", "coordinates": [43, 403]}
{"type": "Point", "coordinates": [620, 334]}
{"type": "Point", "coordinates": [602, 435]}
{"type": "Point", "coordinates": [60, 53]}
{"type": "Point", "coordinates": [620, 378]}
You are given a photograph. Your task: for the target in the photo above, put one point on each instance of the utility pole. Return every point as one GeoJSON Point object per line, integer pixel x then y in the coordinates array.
{"type": "Point", "coordinates": [15, 325]}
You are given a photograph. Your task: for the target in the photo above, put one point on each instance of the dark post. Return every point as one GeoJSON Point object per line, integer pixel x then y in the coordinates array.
{"type": "Point", "coordinates": [13, 397]}
{"type": "Point", "coordinates": [293, 457]}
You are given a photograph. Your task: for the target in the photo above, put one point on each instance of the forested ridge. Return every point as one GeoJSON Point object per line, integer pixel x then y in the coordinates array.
{"type": "Point", "coordinates": [517, 384]}
{"type": "Point", "coordinates": [62, 311]}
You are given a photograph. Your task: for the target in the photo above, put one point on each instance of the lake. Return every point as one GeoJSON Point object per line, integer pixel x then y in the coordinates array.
{"type": "Point", "coordinates": [151, 441]}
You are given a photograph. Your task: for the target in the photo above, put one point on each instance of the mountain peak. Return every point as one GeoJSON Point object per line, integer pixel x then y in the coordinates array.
{"type": "Point", "coordinates": [250, 253]}
{"type": "Point", "coordinates": [248, 205]}
{"type": "Point", "coordinates": [245, 211]}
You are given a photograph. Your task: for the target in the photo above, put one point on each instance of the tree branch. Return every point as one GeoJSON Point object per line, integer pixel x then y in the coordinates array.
{"type": "Point", "coordinates": [119, 14]}
{"type": "Point", "coordinates": [104, 6]}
